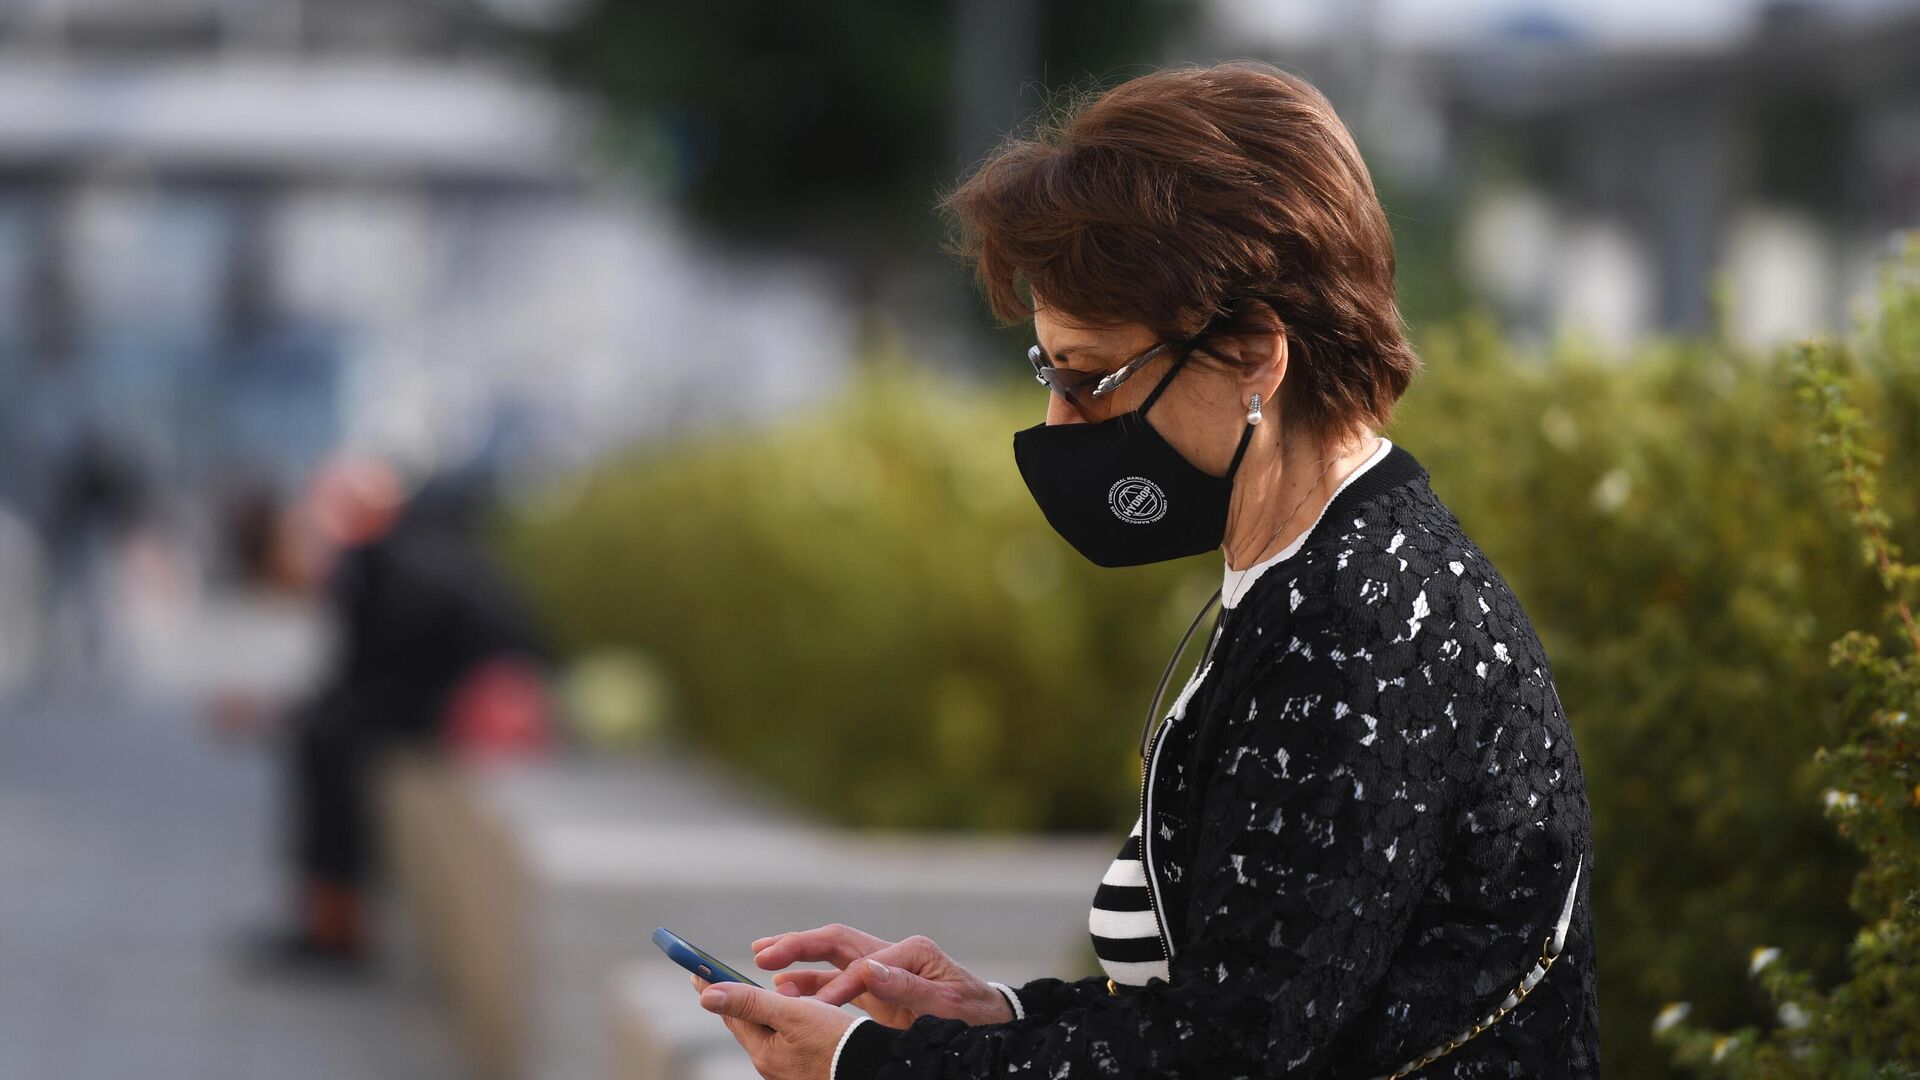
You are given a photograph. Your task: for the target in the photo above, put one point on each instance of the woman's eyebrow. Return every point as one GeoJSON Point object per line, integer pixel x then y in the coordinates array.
{"type": "Point", "coordinates": [1090, 350]}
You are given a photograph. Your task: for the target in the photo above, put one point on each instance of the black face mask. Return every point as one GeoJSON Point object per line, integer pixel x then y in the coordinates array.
{"type": "Point", "coordinates": [1122, 495]}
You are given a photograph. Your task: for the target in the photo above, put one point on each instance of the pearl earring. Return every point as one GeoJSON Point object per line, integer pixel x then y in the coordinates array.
{"type": "Point", "coordinates": [1253, 415]}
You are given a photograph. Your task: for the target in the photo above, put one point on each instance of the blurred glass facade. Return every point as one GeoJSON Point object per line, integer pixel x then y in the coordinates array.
{"type": "Point", "coordinates": [1608, 168]}
{"type": "Point", "coordinates": [234, 236]}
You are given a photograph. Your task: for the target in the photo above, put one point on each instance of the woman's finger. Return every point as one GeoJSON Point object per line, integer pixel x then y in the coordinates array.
{"type": "Point", "coordinates": [835, 944]}
{"type": "Point", "coordinates": [892, 985]}
{"type": "Point", "coordinates": [806, 981]}
{"type": "Point", "coordinates": [844, 986]}
{"type": "Point", "coordinates": [750, 1035]}
{"type": "Point", "coordinates": [747, 1012]}
{"type": "Point", "coordinates": [917, 955]}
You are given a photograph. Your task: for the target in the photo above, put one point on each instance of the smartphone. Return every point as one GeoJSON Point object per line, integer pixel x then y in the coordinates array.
{"type": "Point", "coordinates": [695, 960]}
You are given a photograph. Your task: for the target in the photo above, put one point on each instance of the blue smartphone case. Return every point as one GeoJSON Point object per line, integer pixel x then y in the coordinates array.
{"type": "Point", "coordinates": [694, 960]}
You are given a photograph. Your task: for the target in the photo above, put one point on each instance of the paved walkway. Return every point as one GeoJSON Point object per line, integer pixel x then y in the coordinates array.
{"type": "Point", "coordinates": [134, 853]}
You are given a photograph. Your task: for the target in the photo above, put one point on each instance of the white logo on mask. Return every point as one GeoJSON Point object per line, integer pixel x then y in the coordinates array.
{"type": "Point", "coordinates": [1137, 500]}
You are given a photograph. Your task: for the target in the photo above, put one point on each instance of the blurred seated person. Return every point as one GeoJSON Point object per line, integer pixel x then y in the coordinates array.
{"type": "Point", "coordinates": [433, 649]}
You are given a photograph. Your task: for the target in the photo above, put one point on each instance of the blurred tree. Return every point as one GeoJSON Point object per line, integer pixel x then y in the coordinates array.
{"type": "Point", "coordinates": [830, 124]}
{"type": "Point", "coordinates": [1867, 1026]}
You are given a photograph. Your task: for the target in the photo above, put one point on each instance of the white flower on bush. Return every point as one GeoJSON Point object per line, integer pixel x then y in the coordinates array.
{"type": "Point", "coordinates": [1834, 797]}
{"type": "Point", "coordinates": [1611, 491]}
{"type": "Point", "coordinates": [1675, 1012]}
{"type": "Point", "coordinates": [1559, 428]}
{"type": "Point", "coordinates": [1761, 958]}
{"type": "Point", "coordinates": [1792, 1015]}
{"type": "Point", "coordinates": [1723, 1044]}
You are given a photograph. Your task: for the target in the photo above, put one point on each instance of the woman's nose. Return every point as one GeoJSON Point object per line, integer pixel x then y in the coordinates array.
{"type": "Point", "coordinates": [1059, 412]}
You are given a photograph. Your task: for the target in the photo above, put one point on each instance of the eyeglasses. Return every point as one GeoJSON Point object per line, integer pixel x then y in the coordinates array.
{"type": "Point", "coordinates": [1079, 388]}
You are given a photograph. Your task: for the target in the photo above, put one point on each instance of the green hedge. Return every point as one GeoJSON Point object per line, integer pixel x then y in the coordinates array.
{"type": "Point", "coordinates": [863, 609]}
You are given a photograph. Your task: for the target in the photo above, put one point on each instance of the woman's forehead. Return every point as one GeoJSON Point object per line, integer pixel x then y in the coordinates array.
{"type": "Point", "coordinates": [1065, 339]}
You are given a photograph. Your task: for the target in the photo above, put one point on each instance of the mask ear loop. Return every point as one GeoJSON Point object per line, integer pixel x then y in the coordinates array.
{"type": "Point", "coordinates": [1160, 691]}
{"type": "Point", "coordinates": [1246, 438]}
{"type": "Point", "coordinates": [1240, 452]}
{"type": "Point", "coordinates": [1154, 396]}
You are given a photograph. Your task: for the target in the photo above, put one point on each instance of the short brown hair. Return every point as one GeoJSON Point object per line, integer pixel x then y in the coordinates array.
{"type": "Point", "coordinates": [1177, 198]}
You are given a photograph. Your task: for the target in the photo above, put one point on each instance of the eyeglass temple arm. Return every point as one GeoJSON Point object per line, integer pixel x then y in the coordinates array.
{"type": "Point", "coordinates": [1115, 378]}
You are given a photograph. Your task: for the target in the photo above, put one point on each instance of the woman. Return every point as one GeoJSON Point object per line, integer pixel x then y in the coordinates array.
{"type": "Point", "coordinates": [1364, 847]}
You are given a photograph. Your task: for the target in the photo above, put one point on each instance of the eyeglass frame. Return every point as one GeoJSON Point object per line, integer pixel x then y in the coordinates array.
{"type": "Point", "coordinates": [1107, 383]}
{"type": "Point", "coordinates": [1069, 384]}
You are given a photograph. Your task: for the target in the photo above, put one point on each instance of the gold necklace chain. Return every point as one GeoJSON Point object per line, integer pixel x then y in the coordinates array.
{"type": "Point", "coordinates": [1160, 691]}
{"type": "Point", "coordinates": [1308, 495]}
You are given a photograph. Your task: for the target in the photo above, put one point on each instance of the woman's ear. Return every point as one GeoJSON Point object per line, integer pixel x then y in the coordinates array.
{"type": "Point", "coordinates": [1259, 353]}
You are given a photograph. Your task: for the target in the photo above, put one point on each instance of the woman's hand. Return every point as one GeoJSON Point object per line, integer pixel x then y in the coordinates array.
{"type": "Point", "coordinates": [787, 1038]}
{"type": "Point", "coordinates": [895, 982]}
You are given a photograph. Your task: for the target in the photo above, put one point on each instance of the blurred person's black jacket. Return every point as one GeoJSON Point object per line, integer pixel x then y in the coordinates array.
{"type": "Point", "coordinates": [418, 609]}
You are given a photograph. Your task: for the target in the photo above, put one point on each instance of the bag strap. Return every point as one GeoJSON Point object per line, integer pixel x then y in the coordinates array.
{"type": "Point", "coordinates": [1549, 952]}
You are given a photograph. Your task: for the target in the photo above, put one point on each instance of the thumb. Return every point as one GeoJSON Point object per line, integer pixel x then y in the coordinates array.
{"type": "Point", "coordinates": [742, 1002]}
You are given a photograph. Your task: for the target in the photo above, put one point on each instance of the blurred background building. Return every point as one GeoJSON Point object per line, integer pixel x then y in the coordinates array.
{"type": "Point", "coordinates": [236, 235]}
{"type": "Point", "coordinates": [1610, 166]}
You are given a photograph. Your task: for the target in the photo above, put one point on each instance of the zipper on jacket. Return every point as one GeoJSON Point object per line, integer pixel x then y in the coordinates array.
{"type": "Point", "coordinates": [1146, 864]}
{"type": "Point", "coordinates": [1150, 753]}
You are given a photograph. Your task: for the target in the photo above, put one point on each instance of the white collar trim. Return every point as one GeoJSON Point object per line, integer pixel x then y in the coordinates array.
{"type": "Point", "coordinates": [1237, 582]}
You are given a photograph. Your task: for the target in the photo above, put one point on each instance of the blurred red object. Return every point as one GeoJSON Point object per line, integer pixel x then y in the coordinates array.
{"type": "Point", "coordinates": [502, 710]}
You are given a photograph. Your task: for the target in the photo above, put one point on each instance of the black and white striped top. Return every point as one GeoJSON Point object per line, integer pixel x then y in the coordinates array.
{"type": "Point", "coordinates": [1125, 936]}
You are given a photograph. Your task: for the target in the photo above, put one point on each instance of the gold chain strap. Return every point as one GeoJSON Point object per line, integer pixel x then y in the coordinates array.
{"type": "Point", "coordinates": [1519, 994]}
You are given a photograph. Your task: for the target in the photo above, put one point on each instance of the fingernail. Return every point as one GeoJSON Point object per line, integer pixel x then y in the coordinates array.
{"type": "Point", "coordinates": [878, 970]}
{"type": "Point", "coordinates": [713, 999]}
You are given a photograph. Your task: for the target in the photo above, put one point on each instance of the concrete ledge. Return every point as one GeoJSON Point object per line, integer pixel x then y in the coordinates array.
{"type": "Point", "coordinates": [461, 884]}
{"type": "Point", "coordinates": [536, 888]}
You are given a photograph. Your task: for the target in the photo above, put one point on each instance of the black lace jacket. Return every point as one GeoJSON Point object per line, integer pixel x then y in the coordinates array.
{"type": "Point", "coordinates": [1364, 826]}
